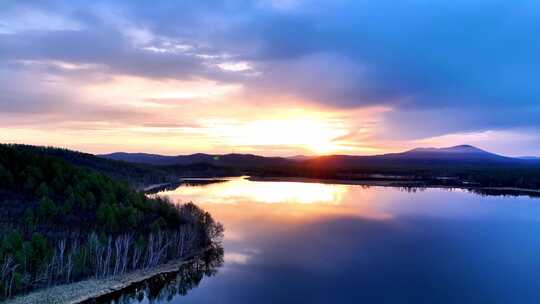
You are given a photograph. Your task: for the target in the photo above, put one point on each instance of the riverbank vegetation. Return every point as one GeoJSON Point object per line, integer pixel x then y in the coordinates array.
{"type": "Point", "coordinates": [61, 223]}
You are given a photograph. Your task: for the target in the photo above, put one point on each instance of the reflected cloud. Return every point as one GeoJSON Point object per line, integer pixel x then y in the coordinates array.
{"type": "Point", "coordinates": [249, 208]}
{"type": "Point", "coordinates": [241, 190]}
{"type": "Point", "coordinates": [237, 258]}
{"type": "Point", "coordinates": [372, 239]}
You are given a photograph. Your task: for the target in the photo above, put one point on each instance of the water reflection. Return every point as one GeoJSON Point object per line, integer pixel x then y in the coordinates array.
{"type": "Point", "coordinates": [241, 189]}
{"type": "Point", "coordinates": [166, 286]}
{"type": "Point", "coordinates": [352, 244]}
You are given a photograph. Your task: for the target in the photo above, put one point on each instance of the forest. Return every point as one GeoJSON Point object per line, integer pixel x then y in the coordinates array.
{"type": "Point", "coordinates": [422, 171]}
{"type": "Point", "coordinates": [418, 173]}
{"type": "Point", "coordinates": [61, 223]}
{"type": "Point", "coordinates": [135, 174]}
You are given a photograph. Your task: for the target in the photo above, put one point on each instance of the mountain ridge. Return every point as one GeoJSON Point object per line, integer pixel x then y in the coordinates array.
{"type": "Point", "coordinates": [462, 153]}
{"type": "Point", "coordinates": [230, 159]}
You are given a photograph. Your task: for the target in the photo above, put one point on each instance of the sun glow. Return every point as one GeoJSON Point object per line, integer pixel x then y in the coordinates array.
{"type": "Point", "coordinates": [313, 134]}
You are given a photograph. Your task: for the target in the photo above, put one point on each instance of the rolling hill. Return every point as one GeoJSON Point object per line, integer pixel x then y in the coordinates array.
{"type": "Point", "coordinates": [459, 154]}
{"type": "Point", "coordinates": [138, 174]}
{"type": "Point", "coordinates": [457, 166]}
{"type": "Point", "coordinates": [222, 160]}
{"type": "Point", "coordinates": [456, 153]}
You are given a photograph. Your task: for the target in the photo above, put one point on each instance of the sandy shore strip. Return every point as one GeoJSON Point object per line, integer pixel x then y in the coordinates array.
{"type": "Point", "coordinates": [93, 288]}
{"type": "Point", "coordinates": [385, 183]}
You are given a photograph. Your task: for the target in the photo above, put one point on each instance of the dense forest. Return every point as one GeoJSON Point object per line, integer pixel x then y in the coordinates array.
{"type": "Point", "coordinates": [61, 223]}
{"type": "Point", "coordinates": [418, 173]}
{"type": "Point", "coordinates": [136, 174]}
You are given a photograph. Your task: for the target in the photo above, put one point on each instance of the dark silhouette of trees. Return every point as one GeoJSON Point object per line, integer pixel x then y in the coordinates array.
{"type": "Point", "coordinates": [60, 223]}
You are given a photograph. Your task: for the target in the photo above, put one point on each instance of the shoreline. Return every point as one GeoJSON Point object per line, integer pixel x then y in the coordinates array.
{"type": "Point", "coordinates": [152, 187]}
{"type": "Point", "coordinates": [371, 183]}
{"type": "Point", "coordinates": [87, 290]}
{"type": "Point", "coordinates": [183, 180]}
{"type": "Point", "coordinates": [386, 183]}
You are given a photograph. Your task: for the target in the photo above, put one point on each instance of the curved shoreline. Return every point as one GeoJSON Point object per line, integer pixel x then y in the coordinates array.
{"type": "Point", "coordinates": [377, 183]}
{"type": "Point", "coordinates": [387, 183]}
{"type": "Point", "coordinates": [87, 290]}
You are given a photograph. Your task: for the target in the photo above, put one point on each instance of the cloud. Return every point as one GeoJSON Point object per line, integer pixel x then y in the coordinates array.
{"type": "Point", "coordinates": [437, 68]}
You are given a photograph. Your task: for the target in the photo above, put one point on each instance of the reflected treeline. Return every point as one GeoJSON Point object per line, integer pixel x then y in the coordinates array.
{"type": "Point", "coordinates": [185, 182]}
{"type": "Point", "coordinates": [165, 287]}
{"type": "Point", "coordinates": [411, 189]}
{"type": "Point", "coordinates": [505, 192]}
{"type": "Point", "coordinates": [167, 187]}
{"type": "Point", "coordinates": [201, 182]}
{"type": "Point", "coordinates": [478, 191]}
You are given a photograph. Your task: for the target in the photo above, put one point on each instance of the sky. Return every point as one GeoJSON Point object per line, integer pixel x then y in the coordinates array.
{"type": "Point", "coordinates": [271, 77]}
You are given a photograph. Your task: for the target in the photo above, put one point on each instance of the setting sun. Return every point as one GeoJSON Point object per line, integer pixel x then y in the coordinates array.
{"type": "Point", "coordinates": [315, 135]}
{"type": "Point", "coordinates": [269, 151]}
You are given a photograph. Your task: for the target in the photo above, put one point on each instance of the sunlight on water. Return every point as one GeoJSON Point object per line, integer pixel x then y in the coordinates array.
{"type": "Point", "coordinates": [240, 189]}
{"type": "Point", "coordinates": [297, 202]}
{"type": "Point", "coordinates": [292, 242]}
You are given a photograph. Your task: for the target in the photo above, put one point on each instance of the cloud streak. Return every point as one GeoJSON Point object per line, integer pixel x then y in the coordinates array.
{"type": "Point", "coordinates": [437, 68]}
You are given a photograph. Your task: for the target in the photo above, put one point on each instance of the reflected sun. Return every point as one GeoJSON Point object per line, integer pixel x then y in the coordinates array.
{"type": "Point", "coordinates": [240, 189]}
{"type": "Point", "coordinates": [285, 192]}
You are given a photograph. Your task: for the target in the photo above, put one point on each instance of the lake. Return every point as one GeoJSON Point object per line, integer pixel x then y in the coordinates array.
{"type": "Point", "coordinates": [290, 242]}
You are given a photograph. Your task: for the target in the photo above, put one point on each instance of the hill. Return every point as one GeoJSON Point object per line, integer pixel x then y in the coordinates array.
{"type": "Point", "coordinates": [459, 166]}
{"type": "Point", "coordinates": [136, 173]}
{"type": "Point", "coordinates": [61, 223]}
{"type": "Point", "coordinates": [456, 166]}
{"type": "Point", "coordinates": [220, 160]}
{"type": "Point", "coordinates": [463, 154]}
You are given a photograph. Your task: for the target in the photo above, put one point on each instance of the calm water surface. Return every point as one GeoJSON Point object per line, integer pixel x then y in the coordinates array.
{"type": "Point", "coordinates": [291, 242]}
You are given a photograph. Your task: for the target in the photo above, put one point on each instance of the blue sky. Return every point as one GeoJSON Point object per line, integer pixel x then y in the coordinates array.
{"type": "Point", "coordinates": [357, 77]}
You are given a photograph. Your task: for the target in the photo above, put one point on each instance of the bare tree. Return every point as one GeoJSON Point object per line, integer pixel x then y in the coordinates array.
{"type": "Point", "coordinates": [60, 257]}
{"type": "Point", "coordinates": [108, 255]}
{"type": "Point", "coordinates": [126, 244]}
{"type": "Point", "coordinates": [6, 274]}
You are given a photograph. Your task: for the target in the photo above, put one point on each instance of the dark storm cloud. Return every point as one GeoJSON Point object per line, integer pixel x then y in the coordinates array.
{"type": "Point", "coordinates": [414, 53]}
{"type": "Point", "coordinates": [106, 47]}
{"type": "Point", "coordinates": [471, 65]}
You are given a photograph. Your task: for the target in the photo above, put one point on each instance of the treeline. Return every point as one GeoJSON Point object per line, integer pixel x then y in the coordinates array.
{"type": "Point", "coordinates": [521, 175]}
{"type": "Point", "coordinates": [136, 174]}
{"type": "Point", "coordinates": [60, 223]}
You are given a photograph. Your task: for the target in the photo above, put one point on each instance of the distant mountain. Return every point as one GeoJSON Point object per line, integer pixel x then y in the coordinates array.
{"type": "Point", "coordinates": [456, 153]}
{"type": "Point", "coordinates": [460, 162]}
{"type": "Point", "coordinates": [225, 160]}
{"type": "Point", "coordinates": [300, 157]}
{"type": "Point", "coordinates": [142, 158]}
{"type": "Point", "coordinates": [462, 154]}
